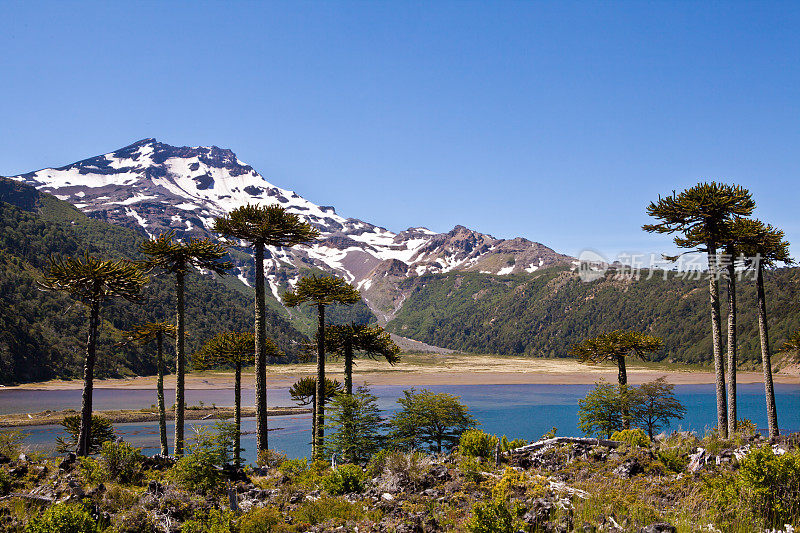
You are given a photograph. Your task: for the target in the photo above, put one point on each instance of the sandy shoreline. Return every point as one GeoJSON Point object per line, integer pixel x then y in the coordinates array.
{"type": "Point", "coordinates": [427, 370]}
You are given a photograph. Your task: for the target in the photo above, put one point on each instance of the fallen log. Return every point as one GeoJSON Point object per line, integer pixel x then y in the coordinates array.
{"type": "Point", "coordinates": [564, 440]}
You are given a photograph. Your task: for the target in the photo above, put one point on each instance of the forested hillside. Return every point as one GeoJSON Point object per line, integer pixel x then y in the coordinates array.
{"type": "Point", "coordinates": [43, 334]}
{"type": "Point", "coordinates": [542, 314]}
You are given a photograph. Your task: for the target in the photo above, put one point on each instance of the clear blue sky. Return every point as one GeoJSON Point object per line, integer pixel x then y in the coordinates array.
{"type": "Point", "coordinates": [555, 121]}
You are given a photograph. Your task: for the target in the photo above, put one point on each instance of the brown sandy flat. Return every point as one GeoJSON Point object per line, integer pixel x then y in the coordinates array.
{"type": "Point", "coordinates": [426, 370]}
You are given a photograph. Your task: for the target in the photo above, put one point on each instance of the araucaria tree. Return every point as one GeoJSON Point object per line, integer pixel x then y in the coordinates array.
{"type": "Point", "coordinates": [155, 331]}
{"type": "Point", "coordinates": [236, 350]}
{"type": "Point", "coordinates": [263, 226]}
{"type": "Point", "coordinates": [429, 420]}
{"type": "Point", "coordinates": [372, 341]}
{"type": "Point", "coordinates": [700, 215]}
{"type": "Point", "coordinates": [178, 258]}
{"type": "Point", "coordinates": [615, 346]}
{"type": "Point", "coordinates": [320, 292]}
{"type": "Point", "coordinates": [92, 282]}
{"type": "Point", "coordinates": [763, 245]}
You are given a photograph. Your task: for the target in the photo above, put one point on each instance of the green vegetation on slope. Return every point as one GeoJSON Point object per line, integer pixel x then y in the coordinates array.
{"type": "Point", "coordinates": [42, 334]}
{"type": "Point", "coordinates": [543, 313]}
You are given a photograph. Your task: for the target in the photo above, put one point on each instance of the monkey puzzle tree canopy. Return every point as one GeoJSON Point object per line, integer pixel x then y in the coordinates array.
{"type": "Point", "coordinates": [372, 341]}
{"type": "Point", "coordinates": [303, 390]}
{"type": "Point", "coordinates": [616, 345]}
{"type": "Point", "coordinates": [92, 281]}
{"type": "Point", "coordinates": [268, 225]}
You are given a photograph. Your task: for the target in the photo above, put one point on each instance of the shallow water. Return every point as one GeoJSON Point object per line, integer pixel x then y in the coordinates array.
{"type": "Point", "coordinates": [518, 411]}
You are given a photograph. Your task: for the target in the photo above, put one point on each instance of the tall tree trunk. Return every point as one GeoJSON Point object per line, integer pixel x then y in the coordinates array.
{"type": "Point", "coordinates": [766, 361]}
{"type": "Point", "coordinates": [262, 443]}
{"type": "Point", "coordinates": [162, 411]}
{"type": "Point", "coordinates": [732, 415]}
{"type": "Point", "coordinates": [716, 338]}
{"type": "Point", "coordinates": [180, 363]}
{"type": "Point", "coordinates": [622, 377]}
{"type": "Point", "coordinates": [85, 432]}
{"type": "Point", "coordinates": [348, 367]}
{"type": "Point", "coordinates": [313, 421]}
{"type": "Point", "coordinates": [320, 407]}
{"type": "Point", "coordinates": [237, 413]}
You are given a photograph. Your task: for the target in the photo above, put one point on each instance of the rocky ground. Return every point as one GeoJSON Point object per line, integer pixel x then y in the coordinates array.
{"type": "Point", "coordinates": [677, 483]}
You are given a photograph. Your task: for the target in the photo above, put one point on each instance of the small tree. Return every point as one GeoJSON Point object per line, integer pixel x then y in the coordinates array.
{"type": "Point", "coordinates": [304, 392]}
{"type": "Point", "coordinates": [179, 258]}
{"type": "Point", "coordinates": [93, 282]}
{"type": "Point", "coordinates": [320, 292]}
{"type": "Point", "coordinates": [654, 404]}
{"type": "Point", "coordinates": [600, 412]}
{"type": "Point", "coordinates": [155, 331]}
{"type": "Point", "coordinates": [429, 420]}
{"type": "Point", "coordinates": [616, 346]}
{"type": "Point", "coordinates": [371, 341]}
{"type": "Point", "coordinates": [356, 426]}
{"type": "Point", "coordinates": [102, 431]}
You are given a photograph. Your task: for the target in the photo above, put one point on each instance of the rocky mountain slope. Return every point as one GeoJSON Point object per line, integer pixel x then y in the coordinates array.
{"type": "Point", "coordinates": [154, 187]}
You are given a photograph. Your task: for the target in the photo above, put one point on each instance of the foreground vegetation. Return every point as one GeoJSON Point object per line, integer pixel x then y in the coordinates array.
{"type": "Point", "coordinates": [674, 481]}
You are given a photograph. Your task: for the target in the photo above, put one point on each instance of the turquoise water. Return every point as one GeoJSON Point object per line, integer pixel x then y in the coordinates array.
{"type": "Point", "coordinates": [518, 411]}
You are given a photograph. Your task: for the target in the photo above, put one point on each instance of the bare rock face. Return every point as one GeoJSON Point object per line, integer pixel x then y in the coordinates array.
{"type": "Point", "coordinates": [155, 187]}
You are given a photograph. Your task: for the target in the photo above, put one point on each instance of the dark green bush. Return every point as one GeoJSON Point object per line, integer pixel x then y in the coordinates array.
{"type": "Point", "coordinates": [123, 462]}
{"type": "Point", "coordinates": [772, 484]}
{"type": "Point", "coordinates": [212, 521]}
{"type": "Point", "coordinates": [344, 480]}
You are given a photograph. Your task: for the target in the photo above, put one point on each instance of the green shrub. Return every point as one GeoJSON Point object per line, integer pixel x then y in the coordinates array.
{"type": "Point", "coordinates": [123, 462]}
{"type": "Point", "coordinates": [471, 469]}
{"type": "Point", "coordinates": [200, 470]}
{"type": "Point", "coordinates": [92, 471]}
{"type": "Point", "coordinates": [271, 458]}
{"type": "Point", "coordinates": [328, 508]}
{"type": "Point", "coordinates": [63, 518]}
{"type": "Point", "coordinates": [377, 463]}
{"type": "Point", "coordinates": [477, 443]}
{"type": "Point", "coordinates": [344, 480]}
{"type": "Point", "coordinates": [261, 520]}
{"type": "Point", "coordinates": [673, 459]}
{"type": "Point", "coordinates": [11, 443]}
{"type": "Point", "coordinates": [634, 437]}
{"type": "Point", "coordinates": [772, 484]}
{"type": "Point", "coordinates": [506, 445]}
{"type": "Point", "coordinates": [550, 434]}
{"type": "Point", "coordinates": [212, 521]}
{"type": "Point", "coordinates": [293, 467]}
{"type": "Point", "coordinates": [492, 516]}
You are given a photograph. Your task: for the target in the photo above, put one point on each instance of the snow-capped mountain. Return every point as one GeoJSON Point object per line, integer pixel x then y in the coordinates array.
{"type": "Point", "coordinates": [155, 187]}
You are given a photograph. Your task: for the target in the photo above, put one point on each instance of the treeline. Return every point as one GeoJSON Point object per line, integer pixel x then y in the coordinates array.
{"type": "Point", "coordinates": [43, 333]}
{"type": "Point", "coordinates": [543, 313]}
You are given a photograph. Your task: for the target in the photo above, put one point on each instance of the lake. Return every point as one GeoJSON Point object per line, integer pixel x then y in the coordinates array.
{"type": "Point", "coordinates": [518, 411]}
